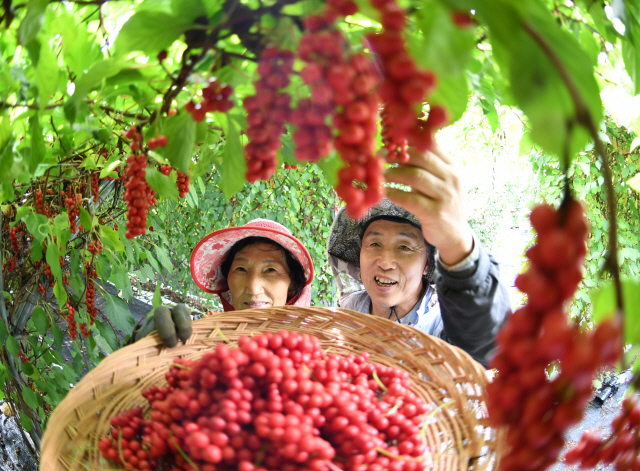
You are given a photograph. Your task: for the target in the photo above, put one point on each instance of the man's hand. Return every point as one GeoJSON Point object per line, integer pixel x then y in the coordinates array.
{"type": "Point", "coordinates": [436, 200]}
{"type": "Point", "coordinates": [171, 323]}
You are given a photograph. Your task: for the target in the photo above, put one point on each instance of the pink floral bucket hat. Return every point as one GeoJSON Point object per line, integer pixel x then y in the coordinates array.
{"type": "Point", "coordinates": [209, 254]}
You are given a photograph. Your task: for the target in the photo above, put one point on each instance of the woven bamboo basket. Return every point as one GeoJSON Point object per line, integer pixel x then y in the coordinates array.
{"type": "Point", "coordinates": [445, 377]}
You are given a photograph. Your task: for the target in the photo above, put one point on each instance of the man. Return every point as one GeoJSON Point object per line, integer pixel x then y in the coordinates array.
{"type": "Point", "coordinates": [413, 240]}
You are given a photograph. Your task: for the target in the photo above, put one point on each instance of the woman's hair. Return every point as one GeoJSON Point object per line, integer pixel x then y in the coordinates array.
{"type": "Point", "coordinates": [296, 272]}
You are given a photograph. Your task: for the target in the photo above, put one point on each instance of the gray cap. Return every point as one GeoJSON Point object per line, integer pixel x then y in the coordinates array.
{"type": "Point", "coordinates": [345, 238]}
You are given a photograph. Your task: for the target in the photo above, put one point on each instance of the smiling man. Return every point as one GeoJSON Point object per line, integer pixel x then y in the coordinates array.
{"type": "Point", "coordinates": [419, 261]}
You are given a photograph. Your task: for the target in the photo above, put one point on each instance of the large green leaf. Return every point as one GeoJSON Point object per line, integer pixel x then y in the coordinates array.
{"type": "Point", "coordinates": [163, 185]}
{"type": "Point", "coordinates": [32, 22]}
{"type": "Point", "coordinates": [111, 239]}
{"type": "Point", "coordinates": [30, 398]}
{"type": "Point", "coordinates": [79, 49]}
{"type": "Point", "coordinates": [3, 332]}
{"type": "Point", "coordinates": [38, 225]}
{"type": "Point", "coordinates": [604, 306]}
{"type": "Point", "coordinates": [180, 130]}
{"type": "Point", "coordinates": [40, 320]}
{"type": "Point", "coordinates": [119, 314]}
{"type": "Point", "coordinates": [13, 346]}
{"type": "Point", "coordinates": [108, 334]}
{"type": "Point", "coordinates": [90, 80]}
{"type": "Point", "coordinates": [150, 32]}
{"type": "Point", "coordinates": [234, 165]}
{"type": "Point", "coordinates": [46, 74]}
{"type": "Point", "coordinates": [37, 142]}
{"type": "Point", "coordinates": [53, 259]}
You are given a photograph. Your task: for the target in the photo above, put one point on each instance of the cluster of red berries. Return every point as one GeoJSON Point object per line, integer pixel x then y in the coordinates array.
{"type": "Point", "coordinates": [10, 264]}
{"type": "Point", "coordinates": [39, 202]}
{"type": "Point", "coordinates": [154, 142]}
{"type": "Point", "coordinates": [277, 402]}
{"type": "Point", "coordinates": [267, 111]}
{"type": "Point", "coordinates": [215, 97]}
{"type": "Point", "coordinates": [95, 186]}
{"type": "Point", "coordinates": [90, 294]}
{"type": "Point", "coordinates": [13, 236]}
{"type": "Point", "coordinates": [136, 138]}
{"type": "Point", "coordinates": [183, 183]}
{"type": "Point", "coordinates": [138, 195]}
{"type": "Point", "coordinates": [290, 167]}
{"type": "Point", "coordinates": [23, 357]}
{"type": "Point", "coordinates": [41, 289]}
{"type": "Point", "coordinates": [622, 447]}
{"type": "Point", "coordinates": [95, 248]}
{"type": "Point", "coordinates": [71, 320]}
{"type": "Point", "coordinates": [405, 87]}
{"type": "Point", "coordinates": [72, 202]}
{"type": "Point", "coordinates": [537, 411]}
{"type": "Point", "coordinates": [84, 330]}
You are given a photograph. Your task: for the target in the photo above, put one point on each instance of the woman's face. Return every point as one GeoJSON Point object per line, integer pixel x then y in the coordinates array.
{"type": "Point", "coordinates": [392, 263]}
{"type": "Point", "coordinates": [259, 277]}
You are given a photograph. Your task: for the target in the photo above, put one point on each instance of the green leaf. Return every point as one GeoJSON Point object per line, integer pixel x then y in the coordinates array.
{"type": "Point", "coordinates": [526, 144]}
{"type": "Point", "coordinates": [164, 259]}
{"type": "Point", "coordinates": [162, 184]}
{"type": "Point", "coordinates": [119, 314]}
{"type": "Point", "coordinates": [90, 80]}
{"type": "Point", "coordinates": [3, 332]}
{"type": "Point", "coordinates": [108, 334]}
{"type": "Point", "coordinates": [188, 10]}
{"type": "Point", "coordinates": [234, 164]}
{"type": "Point", "coordinates": [40, 320]}
{"type": "Point", "coordinates": [453, 94]}
{"type": "Point", "coordinates": [491, 114]}
{"type": "Point", "coordinates": [152, 260]}
{"type": "Point", "coordinates": [53, 259]}
{"type": "Point", "coordinates": [27, 368]}
{"type": "Point", "coordinates": [86, 220]}
{"type": "Point", "coordinates": [29, 398]}
{"type": "Point", "coordinates": [634, 182]}
{"type": "Point", "coordinates": [157, 299]}
{"type": "Point", "coordinates": [38, 225]}
{"type": "Point", "coordinates": [13, 346]}
{"type": "Point", "coordinates": [37, 143]}
{"type": "Point", "coordinates": [604, 306]}
{"type": "Point", "coordinates": [631, 57]}
{"type": "Point", "coordinates": [32, 22]}
{"type": "Point", "coordinates": [330, 166]}
{"type": "Point", "coordinates": [57, 335]}
{"type": "Point", "coordinates": [180, 130]}
{"type": "Point", "coordinates": [46, 74]}
{"type": "Point", "coordinates": [110, 238]}
{"type": "Point", "coordinates": [60, 293]}
{"type": "Point", "coordinates": [25, 421]}
{"type": "Point", "coordinates": [150, 32]}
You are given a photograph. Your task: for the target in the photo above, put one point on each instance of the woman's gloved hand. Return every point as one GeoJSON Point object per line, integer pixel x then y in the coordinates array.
{"type": "Point", "coordinates": [172, 323]}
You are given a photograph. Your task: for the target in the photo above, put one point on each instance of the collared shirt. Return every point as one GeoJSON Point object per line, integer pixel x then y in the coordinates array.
{"type": "Point", "coordinates": [424, 316]}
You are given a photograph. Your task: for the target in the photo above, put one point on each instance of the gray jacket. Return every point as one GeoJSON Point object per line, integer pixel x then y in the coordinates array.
{"type": "Point", "coordinates": [470, 307]}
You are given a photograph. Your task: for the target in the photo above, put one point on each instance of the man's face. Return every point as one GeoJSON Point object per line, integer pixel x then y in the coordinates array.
{"type": "Point", "coordinates": [392, 262]}
{"type": "Point", "coordinates": [259, 277]}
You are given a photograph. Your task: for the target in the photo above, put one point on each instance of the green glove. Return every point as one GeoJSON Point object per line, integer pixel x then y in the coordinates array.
{"type": "Point", "coordinates": [171, 323]}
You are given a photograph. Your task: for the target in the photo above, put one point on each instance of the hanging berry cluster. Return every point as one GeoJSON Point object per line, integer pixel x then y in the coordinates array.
{"type": "Point", "coordinates": [182, 180]}
{"type": "Point", "coordinates": [278, 401]}
{"type": "Point", "coordinates": [95, 186]}
{"type": "Point", "coordinates": [90, 276]}
{"type": "Point", "coordinates": [71, 320]}
{"type": "Point", "coordinates": [622, 447]}
{"type": "Point", "coordinates": [405, 86]}
{"type": "Point", "coordinates": [536, 410]}
{"type": "Point", "coordinates": [72, 201]}
{"type": "Point", "coordinates": [138, 195]}
{"type": "Point", "coordinates": [183, 184]}
{"type": "Point", "coordinates": [154, 142]}
{"type": "Point", "coordinates": [215, 97]}
{"type": "Point", "coordinates": [39, 202]}
{"type": "Point", "coordinates": [267, 110]}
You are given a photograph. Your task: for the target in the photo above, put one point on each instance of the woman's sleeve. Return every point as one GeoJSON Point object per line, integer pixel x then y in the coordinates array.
{"type": "Point", "coordinates": [474, 304]}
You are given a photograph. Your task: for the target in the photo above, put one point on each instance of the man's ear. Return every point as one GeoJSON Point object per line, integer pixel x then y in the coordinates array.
{"type": "Point", "coordinates": [426, 267]}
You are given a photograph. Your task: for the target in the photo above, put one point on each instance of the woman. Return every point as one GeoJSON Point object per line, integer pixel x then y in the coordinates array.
{"type": "Point", "coordinates": [258, 265]}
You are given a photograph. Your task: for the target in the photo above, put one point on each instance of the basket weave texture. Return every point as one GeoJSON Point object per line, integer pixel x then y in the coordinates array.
{"type": "Point", "coordinates": [445, 377]}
